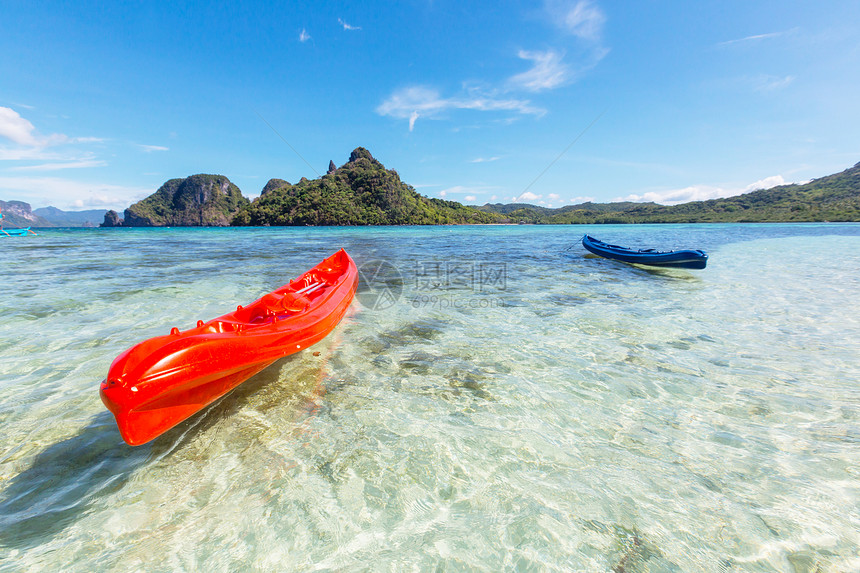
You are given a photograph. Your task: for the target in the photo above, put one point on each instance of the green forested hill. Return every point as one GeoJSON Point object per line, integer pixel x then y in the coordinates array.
{"type": "Point", "coordinates": [198, 200]}
{"type": "Point", "coordinates": [360, 192]}
{"type": "Point", "coordinates": [831, 198]}
{"type": "Point", "coordinates": [581, 213]}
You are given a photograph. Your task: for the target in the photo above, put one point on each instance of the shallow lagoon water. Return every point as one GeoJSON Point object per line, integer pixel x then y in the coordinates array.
{"type": "Point", "coordinates": [495, 400]}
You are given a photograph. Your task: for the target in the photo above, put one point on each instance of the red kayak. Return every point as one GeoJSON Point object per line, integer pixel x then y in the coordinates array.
{"type": "Point", "coordinates": [160, 382]}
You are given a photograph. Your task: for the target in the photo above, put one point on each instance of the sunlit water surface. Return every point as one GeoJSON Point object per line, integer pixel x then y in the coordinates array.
{"type": "Point", "coordinates": [495, 400]}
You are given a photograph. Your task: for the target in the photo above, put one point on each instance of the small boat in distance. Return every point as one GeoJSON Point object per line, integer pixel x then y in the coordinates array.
{"type": "Point", "coordinates": [15, 232]}
{"type": "Point", "coordinates": [158, 383]}
{"type": "Point", "coordinates": [686, 259]}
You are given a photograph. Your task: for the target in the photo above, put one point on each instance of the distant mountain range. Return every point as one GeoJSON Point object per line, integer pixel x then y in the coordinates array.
{"type": "Point", "coordinates": [60, 218]}
{"type": "Point", "coordinates": [364, 192]}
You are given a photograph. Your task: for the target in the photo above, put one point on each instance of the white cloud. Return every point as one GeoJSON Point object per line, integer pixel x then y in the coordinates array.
{"type": "Point", "coordinates": [527, 196]}
{"type": "Point", "coordinates": [347, 26]}
{"type": "Point", "coordinates": [676, 196]}
{"type": "Point", "coordinates": [30, 145]}
{"type": "Point", "coordinates": [577, 200]}
{"type": "Point", "coordinates": [762, 84]}
{"type": "Point", "coordinates": [484, 159]}
{"type": "Point", "coordinates": [442, 193]}
{"type": "Point", "coordinates": [93, 202]}
{"type": "Point", "coordinates": [768, 83]}
{"type": "Point", "coordinates": [470, 193]}
{"type": "Point", "coordinates": [304, 36]}
{"type": "Point", "coordinates": [548, 71]}
{"type": "Point", "coordinates": [766, 183]}
{"type": "Point", "coordinates": [65, 193]}
{"type": "Point", "coordinates": [701, 192]}
{"type": "Point", "coordinates": [18, 130]}
{"type": "Point", "coordinates": [151, 148]}
{"type": "Point", "coordinates": [82, 163]}
{"type": "Point", "coordinates": [581, 18]}
{"type": "Point", "coordinates": [553, 197]}
{"type": "Point", "coordinates": [30, 154]}
{"type": "Point", "coordinates": [418, 101]}
{"type": "Point", "coordinates": [758, 37]}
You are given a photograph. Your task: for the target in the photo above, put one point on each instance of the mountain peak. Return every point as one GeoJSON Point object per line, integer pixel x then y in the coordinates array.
{"type": "Point", "coordinates": [358, 153]}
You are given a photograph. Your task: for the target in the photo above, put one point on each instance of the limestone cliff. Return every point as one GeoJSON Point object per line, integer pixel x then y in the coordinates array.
{"type": "Point", "coordinates": [196, 201]}
{"type": "Point", "coordinates": [20, 214]}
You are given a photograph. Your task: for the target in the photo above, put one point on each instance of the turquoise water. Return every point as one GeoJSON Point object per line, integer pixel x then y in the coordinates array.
{"type": "Point", "coordinates": [495, 400]}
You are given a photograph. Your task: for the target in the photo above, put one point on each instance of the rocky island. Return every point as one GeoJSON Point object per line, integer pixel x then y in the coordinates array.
{"type": "Point", "coordinates": [196, 201]}
{"type": "Point", "coordinates": [360, 192]}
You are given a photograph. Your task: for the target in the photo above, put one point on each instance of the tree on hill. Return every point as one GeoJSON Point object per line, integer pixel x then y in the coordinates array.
{"type": "Point", "coordinates": [274, 184]}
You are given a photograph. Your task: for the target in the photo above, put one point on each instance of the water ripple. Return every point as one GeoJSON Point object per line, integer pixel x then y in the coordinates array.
{"type": "Point", "coordinates": [581, 415]}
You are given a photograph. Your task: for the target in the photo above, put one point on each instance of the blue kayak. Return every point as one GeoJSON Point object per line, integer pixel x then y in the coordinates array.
{"type": "Point", "coordinates": [686, 259]}
{"type": "Point", "coordinates": [14, 232]}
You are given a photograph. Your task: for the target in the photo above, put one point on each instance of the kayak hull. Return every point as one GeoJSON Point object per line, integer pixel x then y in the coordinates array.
{"type": "Point", "coordinates": [684, 259]}
{"type": "Point", "coordinates": [160, 382]}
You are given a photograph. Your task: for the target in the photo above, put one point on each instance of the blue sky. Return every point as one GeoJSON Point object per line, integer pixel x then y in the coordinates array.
{"type": "Point", "coordinates": [548, 102]}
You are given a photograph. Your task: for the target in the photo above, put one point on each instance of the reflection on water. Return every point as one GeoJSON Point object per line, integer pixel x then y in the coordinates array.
{"type": "Point", "coordinates": [581, 414]}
